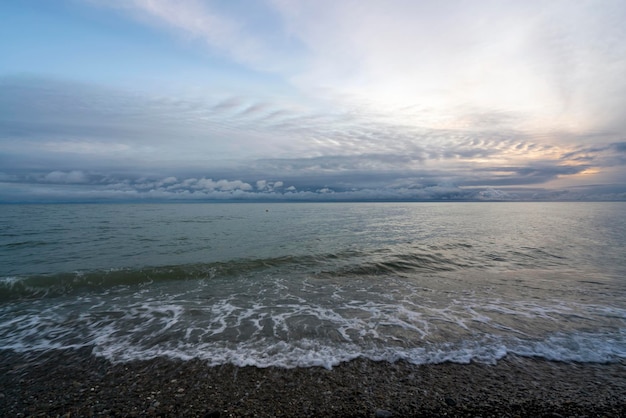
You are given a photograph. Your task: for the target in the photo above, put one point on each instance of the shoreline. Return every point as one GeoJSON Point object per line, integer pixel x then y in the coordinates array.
{"type": "Point", "coordinates": [76, 383]}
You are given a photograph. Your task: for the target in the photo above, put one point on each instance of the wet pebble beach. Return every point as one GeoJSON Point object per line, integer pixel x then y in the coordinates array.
{"type": "Point", "coordinates": [74, 383]}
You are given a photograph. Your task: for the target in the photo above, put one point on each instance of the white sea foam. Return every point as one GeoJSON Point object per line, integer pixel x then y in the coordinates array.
{"type": "Point", "coordinates": [293, 325]}
{"type": "Point", "coordinates": [10, 281]}
{"type": "Point", "coordinates": [149, 330]}
{"type": "Point", "coordinates": [580, 347]}
{"type": "Point", "coordinates": [307, 353]}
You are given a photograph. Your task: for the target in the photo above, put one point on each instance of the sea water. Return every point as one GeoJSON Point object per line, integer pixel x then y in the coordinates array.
{"type": "Point", "coordinates": [316, 284]}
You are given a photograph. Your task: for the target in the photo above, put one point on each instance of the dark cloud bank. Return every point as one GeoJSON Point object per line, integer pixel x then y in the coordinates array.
{"type": "Point", "coordinates": [82, 186]}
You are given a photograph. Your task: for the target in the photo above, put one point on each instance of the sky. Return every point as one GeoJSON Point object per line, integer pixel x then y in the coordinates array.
{"type": "Point", "coordinates": [326, 100]}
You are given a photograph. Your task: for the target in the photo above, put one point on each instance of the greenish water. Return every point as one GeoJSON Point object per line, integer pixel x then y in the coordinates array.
{"type": "Point", "coordinates": [297, 285]}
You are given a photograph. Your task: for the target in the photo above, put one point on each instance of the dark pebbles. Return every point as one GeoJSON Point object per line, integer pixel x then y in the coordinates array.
{"type": "Point", "coordinates": [72, 383]}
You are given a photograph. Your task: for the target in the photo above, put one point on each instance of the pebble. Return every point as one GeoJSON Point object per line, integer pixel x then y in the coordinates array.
{"type": "Point", "coordinates": [361, 387]}
{"type": "Point", "coordinates": [383, 413]}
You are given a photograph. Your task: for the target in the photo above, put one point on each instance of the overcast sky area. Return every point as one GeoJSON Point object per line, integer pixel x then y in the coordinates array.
{"type": "Point", "coordinates": [312, 100]}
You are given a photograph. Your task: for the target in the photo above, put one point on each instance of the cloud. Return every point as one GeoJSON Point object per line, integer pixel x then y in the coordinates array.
{"type": "Point", "coordinates": [215, 138]}
{"type": "Point", "coordinates": [74, 176]}
{"type": "Point", "coordinates": [619, 146]}
{"type": "Point", "coordinates": [494, 194]}
{"type": "Point", "coordinates": [50, 119]}
{"type": "Point", "coordinates": [94, 186]}
{"type": "Point", "coordinates": [493, 57]}
{"type": "Point", "coordinates": [247, 33]}
{"type": "Point", "coordinates": [394, 100]}
{"type": "Point", "coordinates": [116, 124]}
{"type": "Point", "coordinates": [486, 58]}
{"type": "Point", "coordinates": [558, 64]}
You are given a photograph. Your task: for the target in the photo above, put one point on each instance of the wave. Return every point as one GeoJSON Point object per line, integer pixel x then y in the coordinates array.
{"type": "Point", "coordinates": [66, 283]}
{"type": "Point", "coordinates": [346, 263]}
{"type": "Point", "coordinates": [62, 284]}
{"type": "Point", "coordinates": [404, 263]}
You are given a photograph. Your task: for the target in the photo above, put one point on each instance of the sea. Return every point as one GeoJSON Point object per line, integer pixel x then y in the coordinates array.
{"type": "Point", "coordinates": [316, 284]}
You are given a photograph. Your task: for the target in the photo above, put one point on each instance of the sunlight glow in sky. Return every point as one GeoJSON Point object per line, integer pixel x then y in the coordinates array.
{"type": "Point", "coordinates": [312, 100]}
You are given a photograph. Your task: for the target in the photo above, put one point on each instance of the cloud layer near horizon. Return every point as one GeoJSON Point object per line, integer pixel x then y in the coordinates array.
{"type": "Point", "coordinates": [329, 101]}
